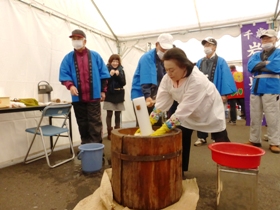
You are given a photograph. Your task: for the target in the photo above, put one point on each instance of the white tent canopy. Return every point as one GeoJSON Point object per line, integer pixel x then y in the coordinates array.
{"type": "Point", "coordinates": [137, 21]}
{"type": "Point", "coordinates": [35, 38]}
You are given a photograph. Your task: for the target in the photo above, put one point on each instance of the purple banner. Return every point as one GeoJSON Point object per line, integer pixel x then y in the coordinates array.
{"type": "Point", "coordinates": [250, 38]}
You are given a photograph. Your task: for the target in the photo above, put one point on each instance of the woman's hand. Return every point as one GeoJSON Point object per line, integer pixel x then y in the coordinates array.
{"type": "Point", "coordinates": [112, 72]}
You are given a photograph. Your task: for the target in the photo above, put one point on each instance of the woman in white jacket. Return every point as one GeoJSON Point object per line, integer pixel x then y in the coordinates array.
{"type": "Point", "coordinates": [200, 104]}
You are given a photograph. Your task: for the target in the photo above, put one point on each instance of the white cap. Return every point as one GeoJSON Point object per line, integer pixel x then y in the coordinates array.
{"type": "Point", "coordinates": [269, 33]}
{"type": "Point", "coordinates": [166, 41]}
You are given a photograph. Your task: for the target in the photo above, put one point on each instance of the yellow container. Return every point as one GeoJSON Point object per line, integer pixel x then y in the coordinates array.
{"type": "Point", "coordinates": [4, 102]}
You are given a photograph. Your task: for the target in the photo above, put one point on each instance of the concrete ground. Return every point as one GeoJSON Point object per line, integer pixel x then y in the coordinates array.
{"type": "Point", "coordinates": [36, 186]}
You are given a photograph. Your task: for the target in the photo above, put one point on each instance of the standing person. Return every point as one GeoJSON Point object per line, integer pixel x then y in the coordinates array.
{"type": "Point", "coordinates": [264, 98]}
{"type": "Point", "coordinates": [149, 72]}
{"type": "Point", "coordinates": [216, 69]}
{"type": "Point", "coordinates": [115, 93]}
{"type": "Point", "coordinates": [85, 74]}
{"type": "Point", "coordinates": [200, 106]}
{"type": "Point", "coordinates": [237, 97]}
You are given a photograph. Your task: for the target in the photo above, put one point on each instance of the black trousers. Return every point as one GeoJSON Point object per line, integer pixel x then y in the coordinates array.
{"type": "Point", "coordinates": [88, 116]}
{"type": "Point", "coordinates": [186, 146]}
{"type": "Point", "coordinates": [232, 104]}
{"type": "Point", "coordinates": [221, 136]}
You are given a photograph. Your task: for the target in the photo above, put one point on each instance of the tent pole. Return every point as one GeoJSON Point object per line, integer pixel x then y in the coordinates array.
{"type": "Point", "coordinates": [275, 16]}
{"type": "Point", "coordinates": [104, 19]}
{"type": "Point", "coordinates": [74, 22]}
{"type": "Point", "coordinates": [107, 24]}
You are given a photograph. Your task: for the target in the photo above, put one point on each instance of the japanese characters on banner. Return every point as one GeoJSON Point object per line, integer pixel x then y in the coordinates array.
{"type": "Point", "coordinates": [250, 38]}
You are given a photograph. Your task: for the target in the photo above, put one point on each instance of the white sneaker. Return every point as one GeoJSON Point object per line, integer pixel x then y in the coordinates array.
{"type": "Point", "coordinates": [265, 137]}
{"type": "Point", "coordinates": [199, 142]}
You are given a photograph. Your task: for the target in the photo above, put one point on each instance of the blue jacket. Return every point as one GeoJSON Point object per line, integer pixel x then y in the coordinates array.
{"type": "Point", "coordinates": [99, 71]}
{"type": "Point", "coordinates": [223, 78]}
{"type": "Point", "coordinates": [145, 73]}
{"type": "Point", "coordinates": [266, 85]}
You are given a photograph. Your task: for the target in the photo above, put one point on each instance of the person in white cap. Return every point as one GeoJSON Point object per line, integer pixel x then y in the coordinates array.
{"type": "Point", "coordinates": [217, 71]}
{"type": "Point", "coordinates": [150, 71]}
{"type": "Point", "coordinates": [264, 98]}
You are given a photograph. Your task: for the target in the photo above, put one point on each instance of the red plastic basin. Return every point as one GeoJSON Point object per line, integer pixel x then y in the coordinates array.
{"type": "Point", "coordinates": [236, 155]}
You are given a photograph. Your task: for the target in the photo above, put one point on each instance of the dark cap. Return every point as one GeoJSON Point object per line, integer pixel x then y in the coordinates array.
{"type": "Point", "coordinates": [78, 33]}
{"type": "Point", "coordinates": [209, 40]}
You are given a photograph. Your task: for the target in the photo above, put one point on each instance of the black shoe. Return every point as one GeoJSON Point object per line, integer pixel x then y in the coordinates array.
{"type": "Point", "coordinates": [232, 122]}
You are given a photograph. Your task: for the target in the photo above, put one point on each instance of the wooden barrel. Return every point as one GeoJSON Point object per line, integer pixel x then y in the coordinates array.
{"type": "Point", "coordinates": [146, 170]}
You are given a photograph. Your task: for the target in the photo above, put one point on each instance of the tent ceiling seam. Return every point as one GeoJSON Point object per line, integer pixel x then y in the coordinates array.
{"type": "Point", "coordinates": [195, 29]}
{"type": "Point", "coordinates": [197, 16]}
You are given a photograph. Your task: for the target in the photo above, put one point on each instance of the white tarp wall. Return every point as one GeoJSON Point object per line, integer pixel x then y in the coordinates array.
{"type": "Point", "coordinates": [33, 44]}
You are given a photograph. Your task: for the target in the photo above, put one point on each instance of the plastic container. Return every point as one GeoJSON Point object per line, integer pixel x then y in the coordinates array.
{"type": "Point", "coordinates": [236, 155]}
{"type": "Point", "coordinates": [91, 155]}
{"type": "Point", "coordinates": [4, 102]}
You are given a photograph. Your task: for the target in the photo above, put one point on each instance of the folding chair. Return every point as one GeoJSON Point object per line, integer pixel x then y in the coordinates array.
{"type": "Point", "coordinates": [56, 111]}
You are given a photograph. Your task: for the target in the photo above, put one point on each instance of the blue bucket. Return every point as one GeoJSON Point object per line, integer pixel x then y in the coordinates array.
{"type": "Point", "coordinates": [91, 155]}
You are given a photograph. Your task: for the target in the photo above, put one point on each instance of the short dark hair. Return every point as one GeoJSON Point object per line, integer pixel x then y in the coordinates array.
{"type": "Point", "coordinates": [114, 57]}
{"type": "Point", "coordinates": [180, 58]}
{"type": "Point", "coordinates": [232, 67]}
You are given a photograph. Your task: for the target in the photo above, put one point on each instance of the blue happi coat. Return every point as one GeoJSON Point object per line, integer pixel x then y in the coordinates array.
{"type": "Point", "coordinates": [145, 73]}
{"type": "Point", "coordinates": [99, 71]}
{"type": "Point", "coordinates": [266, 85]}
{"type": "Point", "coordinates": [223, 78]}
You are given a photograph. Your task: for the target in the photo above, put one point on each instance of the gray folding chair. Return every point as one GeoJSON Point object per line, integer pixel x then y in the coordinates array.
{"type": "Point", "coordinates": [56, 111]}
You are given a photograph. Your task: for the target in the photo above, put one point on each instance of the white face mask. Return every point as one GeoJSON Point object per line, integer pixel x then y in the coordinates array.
{"type": "Point", "coordinates": [77, 44]}
{"type": "Point", "coordinates": [267, 46]}
{"type": "Point", "coordinates": [160, 54]}
{"type": "Point", "coordinates": [208, 50]}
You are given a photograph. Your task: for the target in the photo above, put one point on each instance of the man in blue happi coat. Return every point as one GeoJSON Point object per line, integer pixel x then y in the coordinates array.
{"type": "Point", "coordinates": [149, 72]}
{"type": "Point", "coordinates": [216, 69]}
{"type": "Point", "coordinates": [264, 98]}
{"type": "Point", "coordinates": [85, 75]}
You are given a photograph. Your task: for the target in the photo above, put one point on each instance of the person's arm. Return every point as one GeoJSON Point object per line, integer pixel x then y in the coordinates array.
{"type": "Point", "coordinates": [68, 84]}
{"type": "Point", "coordinates": [104, 83]}
{"type": "Point", "coordinates": [120, 77]}
{"type": "Point", "coordinates": [259, 66]}
{"type": "Point", "coordinates": [146, 90]}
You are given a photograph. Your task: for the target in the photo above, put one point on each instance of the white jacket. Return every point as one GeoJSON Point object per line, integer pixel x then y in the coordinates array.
{"type": "Point", "coordinates": [200, 105]}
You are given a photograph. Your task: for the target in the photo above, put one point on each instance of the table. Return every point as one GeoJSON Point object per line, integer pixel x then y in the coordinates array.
{"type": "Point", "coordinates": [36, 108]}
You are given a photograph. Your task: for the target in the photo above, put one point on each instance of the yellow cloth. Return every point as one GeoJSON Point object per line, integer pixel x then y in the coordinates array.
{"type": "Point", "coordinates": [29, 101]}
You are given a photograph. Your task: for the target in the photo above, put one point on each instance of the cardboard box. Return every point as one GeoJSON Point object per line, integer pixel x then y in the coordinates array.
{"type": "Point", "coordinates": [4, 102]}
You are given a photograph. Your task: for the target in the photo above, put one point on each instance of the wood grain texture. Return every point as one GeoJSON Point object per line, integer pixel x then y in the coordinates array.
{"type": "Point", "coordinates": [146, 171]}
